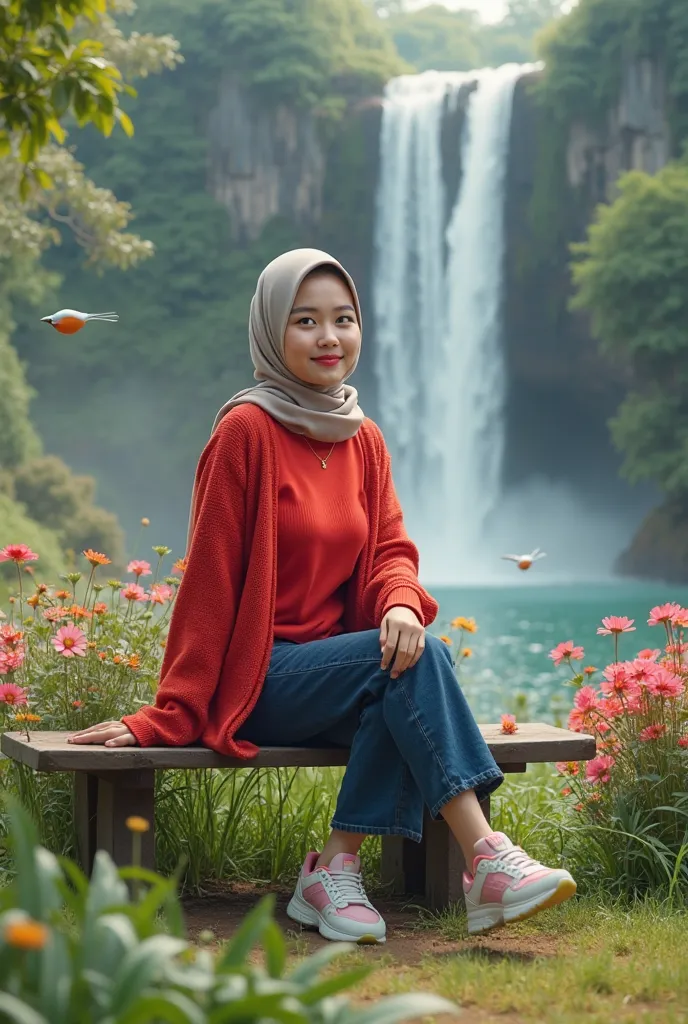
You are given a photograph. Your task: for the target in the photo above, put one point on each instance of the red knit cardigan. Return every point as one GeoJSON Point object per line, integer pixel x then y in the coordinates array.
{"type": "Point", "coordinates": [221, 632]}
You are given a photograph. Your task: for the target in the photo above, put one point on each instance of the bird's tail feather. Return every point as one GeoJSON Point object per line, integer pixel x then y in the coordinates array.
{"type": "Point", "coordinates": [112, 317]}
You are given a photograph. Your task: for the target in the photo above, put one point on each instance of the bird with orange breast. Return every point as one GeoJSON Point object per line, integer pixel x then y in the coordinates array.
{"type": "Point", "coordinates": [525, 561]}
{"type": "Point", "coordinates": [69, 321]}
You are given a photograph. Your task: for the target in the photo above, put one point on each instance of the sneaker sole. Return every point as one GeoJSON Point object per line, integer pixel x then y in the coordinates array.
{"type": "Point", "coordinates": [565, 889]}
{"type": "Point", "coordinates": [301, 912]}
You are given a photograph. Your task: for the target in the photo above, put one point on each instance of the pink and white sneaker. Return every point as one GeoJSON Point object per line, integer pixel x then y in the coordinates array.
{"type": "Point", "coordinates": [334, 901]}
{"type": "Point", "coordinates": [507, 885]}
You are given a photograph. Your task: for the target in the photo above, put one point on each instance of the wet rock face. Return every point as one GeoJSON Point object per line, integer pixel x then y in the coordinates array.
{"type": "Point", "coordinates": [264, 162]}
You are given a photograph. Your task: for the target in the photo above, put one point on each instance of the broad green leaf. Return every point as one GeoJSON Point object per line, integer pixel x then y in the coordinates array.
{"type": "Point", "coordinates": [310, 968]}
{"type": "Point", "coordinates": [331, 986]}
{"type": "Point", "coordinates": [125, 122]}
{"type": "Point", "coordinates": [24, 842]}
{"type": "Point", "coordinates": [274, 1007]}
{"type": "Point", "coordinates": [55, 979]}
{"type": "Point", "coordinates": [5, 144]}
{"type": "Point", "coordinates": [396, 1008]}
{"type": "Point", "coordinates": [247, 936]}
{"type": "Point", "coordinates": [110, 939]}
{"type": "Point", "coordinates": [140, 966]}
{"type": "Point", "coordinates": [170, 1006]}
{"type": "Point", "coordinates": [17, 1012]}
{"type": "Point", "coordinates": [56, 129]}
{"type": "Point", "coordinates": [275, 949]}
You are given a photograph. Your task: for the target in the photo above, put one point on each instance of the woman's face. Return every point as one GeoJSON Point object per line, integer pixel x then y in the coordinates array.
{"type": "Point", "coordinates": [323, 337]}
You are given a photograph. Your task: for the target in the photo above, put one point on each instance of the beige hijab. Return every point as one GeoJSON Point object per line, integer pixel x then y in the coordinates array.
{"type": "Point", "coordinates": [328, 414]}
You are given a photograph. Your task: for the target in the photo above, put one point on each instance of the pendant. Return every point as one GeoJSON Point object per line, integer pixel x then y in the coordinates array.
{"type": "Point", "coordinates": [323, 464]}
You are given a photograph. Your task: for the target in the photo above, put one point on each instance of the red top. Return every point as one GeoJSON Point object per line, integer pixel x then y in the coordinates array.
{"type": "Point", "coordinates": [221, 633]}
{"type": "Point", "coordinates": [321, 530]}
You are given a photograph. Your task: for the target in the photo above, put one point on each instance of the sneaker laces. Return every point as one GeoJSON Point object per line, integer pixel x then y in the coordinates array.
{"type": "Point", "coordinates": [349, 886]}
{"type": "Point", "coordinates": [519, 859]}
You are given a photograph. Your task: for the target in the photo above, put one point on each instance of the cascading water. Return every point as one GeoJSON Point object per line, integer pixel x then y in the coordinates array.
{"type": "Point", "coordinates": [437, 302]}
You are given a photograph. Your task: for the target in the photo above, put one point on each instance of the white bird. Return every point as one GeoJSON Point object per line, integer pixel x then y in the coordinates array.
{"type": "Point", "coordinates": [69, 321]}
{"type": "Point", "coordinates": [525, 561]}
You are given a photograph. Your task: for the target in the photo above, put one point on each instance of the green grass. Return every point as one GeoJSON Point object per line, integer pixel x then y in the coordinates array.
{"type": "Point", "coordinates": [587, 961]}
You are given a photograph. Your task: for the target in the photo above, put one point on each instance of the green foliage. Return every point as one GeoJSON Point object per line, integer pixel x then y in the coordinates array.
{"type": "Point", "coordinates": [114, 958]}
{"type": "Point", "coordinates": [45, 76]}
{"type": "Point", "coordinates": [16, 527]}
{"type": "Point", "coordinates": [630, 277]}
{"type": "Point", "coordinates": [586, 54]}
{"type": "Point", "coordinates": [18, 439]}
{"type": "Point", "coordinates": [63, 501]}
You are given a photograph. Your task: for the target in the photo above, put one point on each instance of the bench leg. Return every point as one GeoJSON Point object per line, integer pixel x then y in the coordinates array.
{"type": "Point", "coordinates": [444, 863]}
{"type": "Point", "coordinates": [85, 818]}
{"type": "Point", "coordinates": [433, 867]}
{"type": "Point", "coordinates": [120, 795]}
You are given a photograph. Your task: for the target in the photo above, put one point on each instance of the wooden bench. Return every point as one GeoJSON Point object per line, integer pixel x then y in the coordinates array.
{"type": "Point", "coordinates": [110, 785]}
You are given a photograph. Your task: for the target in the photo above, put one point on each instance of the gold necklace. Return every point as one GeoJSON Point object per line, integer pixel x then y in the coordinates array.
{"type": "Point", "coordinates": [323, 462]}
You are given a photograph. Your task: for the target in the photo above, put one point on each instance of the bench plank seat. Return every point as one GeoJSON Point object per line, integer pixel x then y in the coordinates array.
{"type": "Point", "coordinates": [112, 784]}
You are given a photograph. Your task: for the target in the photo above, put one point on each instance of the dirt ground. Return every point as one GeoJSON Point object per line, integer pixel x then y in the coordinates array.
{"type": "Point", "coordinates": [406, 943]}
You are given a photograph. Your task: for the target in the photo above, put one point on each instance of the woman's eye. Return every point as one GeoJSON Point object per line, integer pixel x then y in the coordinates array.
{"type": "Point", "coordinates": [306, 318]}
{"type": "Point", "coordinates": [348, 318]}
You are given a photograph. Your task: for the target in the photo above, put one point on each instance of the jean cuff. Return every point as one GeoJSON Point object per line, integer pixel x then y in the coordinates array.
{"type": "Point", "coordinates": [375, 830]}
{"type": "Point", "coordinates": [483, 784]}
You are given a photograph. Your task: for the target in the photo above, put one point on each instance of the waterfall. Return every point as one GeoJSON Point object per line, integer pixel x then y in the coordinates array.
{"type": "Point", "coordinates": [437, 295]}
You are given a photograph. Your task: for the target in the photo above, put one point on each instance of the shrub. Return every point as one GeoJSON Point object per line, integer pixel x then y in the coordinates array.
{"type": "Point", "coordinates": [109, 958]}
{"type": "Point", "coordinates": [15, 524]}
{"type": "Point", "coordinates": [631, 800]}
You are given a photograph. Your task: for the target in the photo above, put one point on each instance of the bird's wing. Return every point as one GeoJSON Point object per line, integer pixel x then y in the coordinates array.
{"type": "Point", "coordinates": [540, 554]}
{"type": "Point", "coordinates": [62, 313]}
{"type": "Point", "coordinates": [512, 558]}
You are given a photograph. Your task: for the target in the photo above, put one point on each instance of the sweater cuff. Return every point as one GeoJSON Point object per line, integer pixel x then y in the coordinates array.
{"type": "Point", "coordinates": [140, 726]}
{"type": "Point", "coordinates": [405, 597]}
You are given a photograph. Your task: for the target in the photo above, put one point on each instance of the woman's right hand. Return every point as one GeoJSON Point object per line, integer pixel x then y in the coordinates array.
{"type": "Point", "coordinates": [111, 734]}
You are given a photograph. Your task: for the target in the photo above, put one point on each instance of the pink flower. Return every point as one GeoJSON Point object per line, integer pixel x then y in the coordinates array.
{"type": "Point", "coordinates": [509, 724]}
{"type": "Point", "coordinates": [567, 767]}
{"type": "Point", "coordinates": [586, 699]}
{"type": "Point", "coordinates": [566, 651]}
{"type": "Point", "coordinates": [665, 684]}
{"type": "Point", "coordinates": [662, 613]}
{"type": "Point", "coordinates": [55, 614]}
{"type": "Point", "coordinates": [616, 624]}
{"type": "Point", "coordinates": [641, 670]}
{"type": "Point", "coordinates": [10, 693]}
{"type": "Point", "coordinates": [139, 568]}
{"type": "Point", "coordinates": [652, 732]}
{"type": "Point", "coordinates": [134, 592]}
{"type": "Point", "coordinates": [161, 592]}
{"type": "Point", "coordinates": [10, 661]}
{"type": "Point", "coordinates": [683, 741]}
{"type": "Point", "coordinates": [648, 655]}
{"type": "Point", "coordinates": [69, 641]}
{"type": "Point", "coordinates": [680, 619]}
{"type": "Point", "coordinates": [618, 681]}
{"type": "Point", "coordinates": [18, 553]}
{"type": "Point", "coordinates": [599, 768]}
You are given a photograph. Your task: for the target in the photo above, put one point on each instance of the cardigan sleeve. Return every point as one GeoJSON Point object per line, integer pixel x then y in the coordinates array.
{"type": "Point", "coordinates": [394, 577]}
{"type": "Point", "coordinates": [206, 603]}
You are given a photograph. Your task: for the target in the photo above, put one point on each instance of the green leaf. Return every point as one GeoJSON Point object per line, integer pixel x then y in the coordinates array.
{"type": "Point", "coordinates": [331, 986]}
{"type": "Point", "coordinates": [310, 968]}
{"type": "Point", "coordinates": [140, 965]}
{"type": "Point", "coordinates": [56, 129]}
{"type": "Point", "coordinates": [109, 940]}
{"type": "Point", "coordinates": [55, 982]}
{"type": "Point", "coordinates": [17, 1012]}
{"type": "Point", "coordinates": [125, 122]}
{"type": "Point", "coordinates": [396, 1008]}
{"type": "Point", "coordinates": [274, 1007]}
{"type": "Point", "coordinates": [174, 1007]}
{"type": "Point", "coordinates": [275, 949]}
{"type": "Point", "coordinates": [247, 936]}
{"type": "Point", "coordinates": [5, 144]}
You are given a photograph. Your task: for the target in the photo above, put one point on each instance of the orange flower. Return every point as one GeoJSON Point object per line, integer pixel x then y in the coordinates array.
{"type": "Point", "coordinates": [26, 717]}
{"type": "Point", "coordinates": [467, 652]}
{"type": "Point", "coordinates": [180, 565]}
{"type": "Point", "coordinates": [100, 608]}
{"type": "Point", "coordinates": [41, 588]}
{"type": "Point", "coordinates": [102, 655]}
{"type": "Point", "coordinates": [134, 661]}
{"type": "Point", "coordinates": [78, 611]}
{"type": "Point", "coordinates": [163, 644]}
{"type": "Point", "coordinates": [566, 791]}
{"type": "Point", "coordinates": [145, 521]}
{"type": "Point", "coordinates": [509, 724]}
{"type": "Point", "coordinates": [63, 595]}
{"type": "Point", "coordinates": [116, 659]}
{"type": "Point", "coordinates": [589, 669]}
{"type": "Point", "coordinates": [34, 600]}
{"type": "Point", "coordinates": [137, 824]}
{"type": "Point", "coordinates": [446, 640]}
{"type": "Point", "coordinates": [76, 703]}
{"type": "Point", "coordinates": [462, 623]}
{"type": "Point", "coordinates": [95, 557]}
{"type": "Point", "coordinates": [91, 645]}
{"type": "Point", "coordinates": [26, 934]}
{"type": "Point", "coordinates": [93, 689]}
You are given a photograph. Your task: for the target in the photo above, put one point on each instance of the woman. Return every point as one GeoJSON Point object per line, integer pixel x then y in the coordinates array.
{"type": "Point", "coordinates": [317, 634]}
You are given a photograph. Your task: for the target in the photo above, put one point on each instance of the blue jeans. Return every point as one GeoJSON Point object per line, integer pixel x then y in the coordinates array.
{"type": "Point", "coordinates": [413, 739]}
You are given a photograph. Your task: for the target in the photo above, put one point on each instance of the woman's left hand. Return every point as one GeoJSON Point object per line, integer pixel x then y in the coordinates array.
{"type": "Point", "coordinates": [402, 632]}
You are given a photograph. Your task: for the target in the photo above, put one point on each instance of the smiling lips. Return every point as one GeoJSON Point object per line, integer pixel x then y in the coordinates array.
{"type": "Point", "coordinates": [328, 360]}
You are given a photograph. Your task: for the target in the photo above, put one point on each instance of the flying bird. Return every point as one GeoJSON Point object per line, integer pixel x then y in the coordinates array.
{"type": "Point", "coordinates": [525, 561]}
{"type": "Point", "coordinates": [69, 321]}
